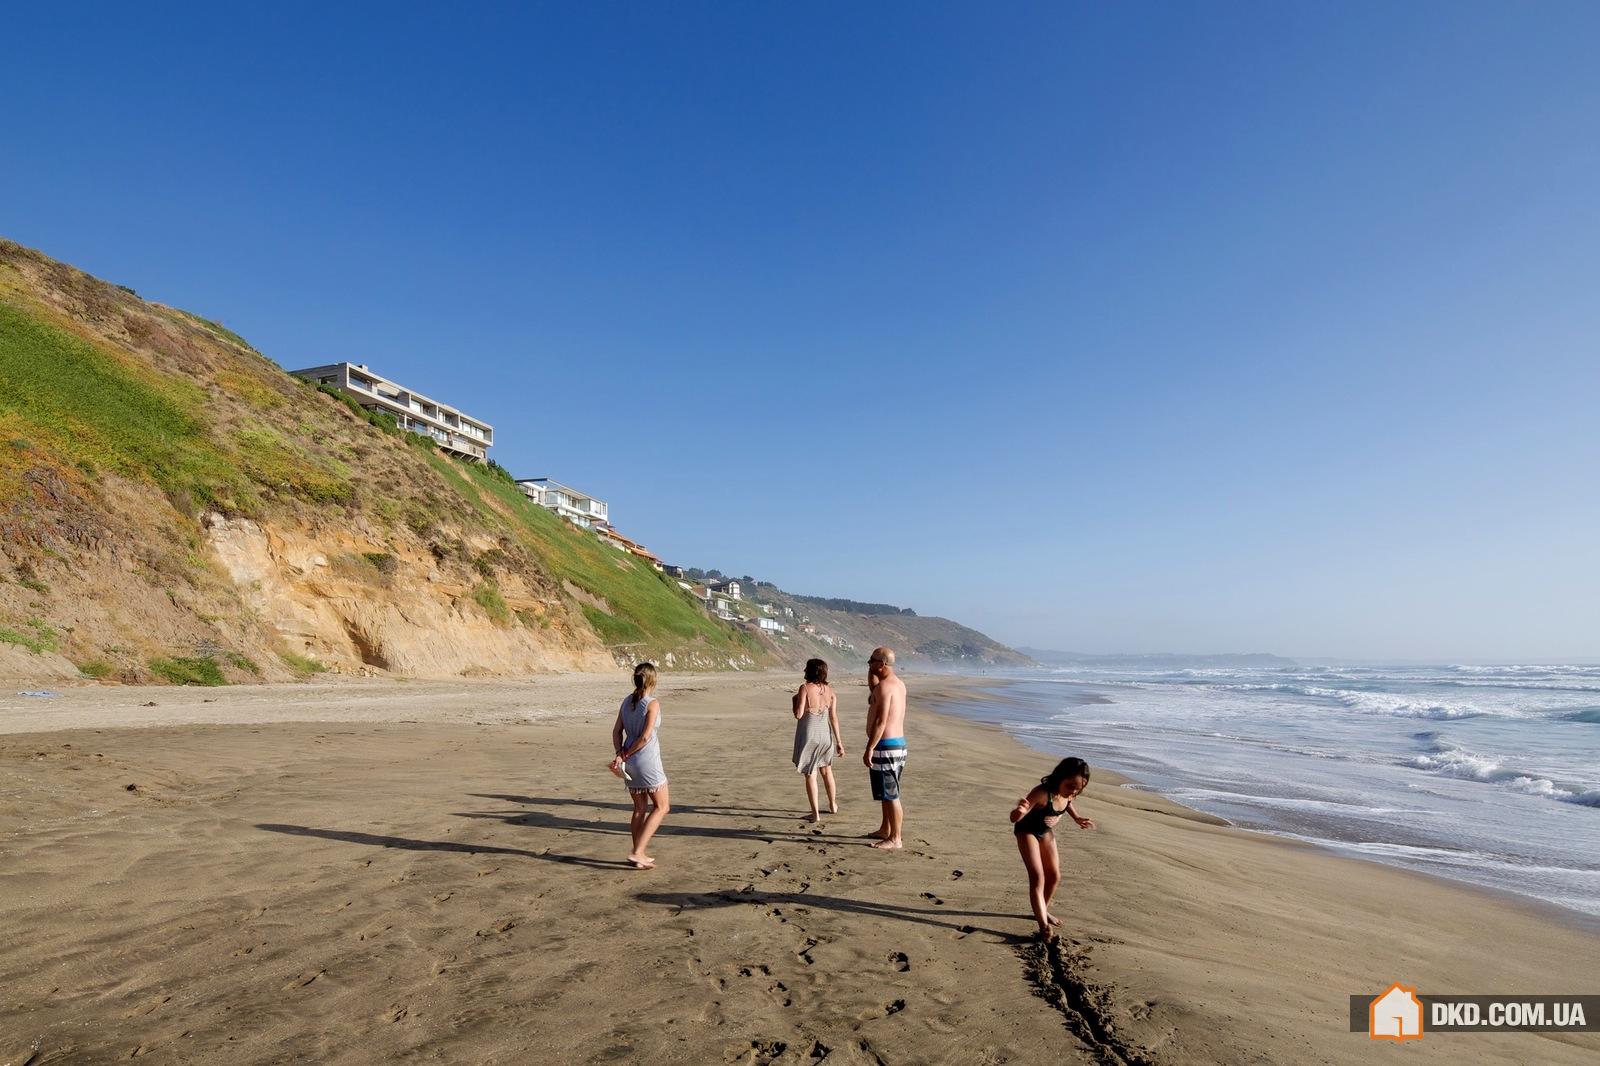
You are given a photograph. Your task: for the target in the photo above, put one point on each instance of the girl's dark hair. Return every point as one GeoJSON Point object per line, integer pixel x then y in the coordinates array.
{"type": "Point", "coordinates": [816, 671]}
{"type": "Point", "coordinates": [1072, 766]}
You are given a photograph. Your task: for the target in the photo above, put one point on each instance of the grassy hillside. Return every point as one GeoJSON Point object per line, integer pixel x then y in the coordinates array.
{"type": "Point", "coordinates": [168, 494]}
{"type": "Point", "coordinates": [637, 605]}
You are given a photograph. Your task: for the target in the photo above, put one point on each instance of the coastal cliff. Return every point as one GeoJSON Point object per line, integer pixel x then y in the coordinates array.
{"type": "Point", "coordinates": [175, 507]}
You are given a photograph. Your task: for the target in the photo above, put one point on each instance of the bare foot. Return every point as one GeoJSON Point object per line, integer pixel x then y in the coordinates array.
{"type": "Point", "coordinates": [1046, 935]}
{"type": "Point", "coordinates": [813, 817]}
{"type": "Point", "coordinates": [1052, 919]}
{"type": "Point", "coordinates": [833, 808]}
{"type": "Point", "coordinates": [876, 834]}
{"type": "Point", "coordinates": [643, 862]}
{"type": "Point", "coordinates": [887, 845]}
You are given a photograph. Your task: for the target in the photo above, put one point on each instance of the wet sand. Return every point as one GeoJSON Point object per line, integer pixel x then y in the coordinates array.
{"type": "Point", "coordinates": [354, 873]}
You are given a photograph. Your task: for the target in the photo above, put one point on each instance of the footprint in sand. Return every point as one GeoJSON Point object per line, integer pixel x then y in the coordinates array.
{"type": "Point", "coordinates": [935, 900]}
{"type": "Point", "coordinates": [886, 1011]}
{"type": "Point", "coordinates": [759, 1052]}
{"type": "Point", "coordinates": [304, 979]}
{"type": "Point", "coordinates": [148, 1008]}
{"type": "Point", "coordinates": [901, 962]}
{"type": "Point", "coordinates": [956, 875]}
{"type": "Point", "coordinates": [504, 926]}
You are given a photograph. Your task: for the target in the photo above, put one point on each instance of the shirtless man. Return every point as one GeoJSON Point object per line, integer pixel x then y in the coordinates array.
{"type": "Point", "coordinates": [885, 756]}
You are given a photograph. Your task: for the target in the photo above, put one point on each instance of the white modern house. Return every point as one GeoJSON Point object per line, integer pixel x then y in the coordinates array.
{"type": "Point", "coordinates": [729, 588]}
{"type": "Point", "coordinates": [455, 431]}
{"type": "Point", "coordinates": [716, 602]}
{"type": "Point", "coordinates": [771, 625]}
{"type": "Point", "coordinates": [577, 507]}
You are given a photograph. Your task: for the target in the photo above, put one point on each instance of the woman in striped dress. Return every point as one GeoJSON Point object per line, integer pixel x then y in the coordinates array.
{"type": "Point", "coordinates": [637, 742]}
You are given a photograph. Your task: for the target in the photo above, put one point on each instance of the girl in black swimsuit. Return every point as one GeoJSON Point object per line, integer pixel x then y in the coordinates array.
{"type": "Point", "coordinates": [1033, 820]}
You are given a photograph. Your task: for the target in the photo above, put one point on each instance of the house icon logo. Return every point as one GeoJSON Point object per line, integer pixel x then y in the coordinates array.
{"type": "Point", "coordinates": [1396, 1014]}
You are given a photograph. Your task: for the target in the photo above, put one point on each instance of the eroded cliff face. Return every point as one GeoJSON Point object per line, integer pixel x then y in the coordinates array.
{"type": "Point", "coordinates": [355, 604]}
{"type": "Point", "coordinates": [274, 599]}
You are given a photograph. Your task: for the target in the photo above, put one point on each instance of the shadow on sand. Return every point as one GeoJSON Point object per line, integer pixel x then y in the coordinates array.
{"type": "Point", "coordinates": [546, 820]}
{"type": "Point", "coordinates": [715, 811]}
{"type": "Point", "coordinates": [408, 844]}
{"type": "Point", "coordinates": [691, 901]}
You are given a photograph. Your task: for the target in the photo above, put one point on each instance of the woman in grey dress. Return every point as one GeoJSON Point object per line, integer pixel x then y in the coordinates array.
{"type": "Point", "coordinates": [816, 734]}
{"type": "Point", "coordinates": [637, 742]}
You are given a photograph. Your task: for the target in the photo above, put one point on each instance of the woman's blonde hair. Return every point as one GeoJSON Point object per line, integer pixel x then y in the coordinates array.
{"type": "Point", "coordinates": [644, 679]}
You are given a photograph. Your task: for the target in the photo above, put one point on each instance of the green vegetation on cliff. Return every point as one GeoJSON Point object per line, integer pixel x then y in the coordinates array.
{"type": "Point", "coordinates": [105, 397]}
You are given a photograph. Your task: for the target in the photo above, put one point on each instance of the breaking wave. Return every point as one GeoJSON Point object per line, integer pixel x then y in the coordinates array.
{"type": "Point", "coordinates": [1447, 760]}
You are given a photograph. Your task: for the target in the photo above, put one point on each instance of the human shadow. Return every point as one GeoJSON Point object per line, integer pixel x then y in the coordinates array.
{"type": "Point", "coordinates": [409, 844]}
{"type": "Point", "coordinates": [547, 820]}
{"type": "Point", "coordinates": [867, 908]}
{"type": "Point", "coordinates": [679, 808]}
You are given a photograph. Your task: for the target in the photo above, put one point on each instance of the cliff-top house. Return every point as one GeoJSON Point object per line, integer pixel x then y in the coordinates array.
{"type": "Point", "coordinates": [579, 508]}
{"type": "Point", "coordinates": [457, 433]}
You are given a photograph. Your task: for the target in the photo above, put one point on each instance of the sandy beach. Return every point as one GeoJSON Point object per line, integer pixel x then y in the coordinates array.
{"type": "Point", "coordinates": [432, 872]}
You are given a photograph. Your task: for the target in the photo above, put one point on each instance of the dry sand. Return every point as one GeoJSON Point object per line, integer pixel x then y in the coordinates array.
{"type": "Point", "coordinates": [355, 873]}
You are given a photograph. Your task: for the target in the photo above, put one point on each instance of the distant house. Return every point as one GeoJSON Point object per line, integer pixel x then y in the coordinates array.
{"type": "Point", "coordinates": [456, 433]}
{"type": "Point", "coordinates": [611, 536]}
{"type": "Point", "coordinates": [788, 612]}
{"type": "Point", "coordinates": [715, 602]}
{"type": "Point", "coordinates": [766, 608]}
{"type": "Point", "coordinates": [771, 625]}
{"type": "Point", "coordinates": [808, 629]}
{"type": "Point", "coordinates": [576, 507]}
{"type": "Point", "coordinates": [673, 571]}
{"type": "Point", "coordinates": [729, 588]}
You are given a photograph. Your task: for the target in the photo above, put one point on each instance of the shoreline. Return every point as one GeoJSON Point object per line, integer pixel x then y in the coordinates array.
{"type": "Point", "coordinates": [446, 882]}
{"type": "Point", "coordinates": [1580, 920]}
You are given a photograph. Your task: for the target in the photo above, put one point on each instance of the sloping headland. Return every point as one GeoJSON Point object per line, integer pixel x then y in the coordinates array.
{"type": "Point", "coordinates": [174, 507]}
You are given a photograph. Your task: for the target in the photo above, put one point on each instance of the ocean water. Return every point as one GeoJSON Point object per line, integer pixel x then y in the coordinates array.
{"type": "Point", "coordinates": [1487, 774]}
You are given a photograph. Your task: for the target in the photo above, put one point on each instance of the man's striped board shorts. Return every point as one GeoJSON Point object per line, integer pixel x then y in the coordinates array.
{"type": "Point", "coordinates": [888, 763]}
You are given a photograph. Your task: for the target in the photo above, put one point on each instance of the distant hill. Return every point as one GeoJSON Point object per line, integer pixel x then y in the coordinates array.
{"type": "Point", "coordinates": [917, 639]}
{"type": "Point", "coordinates": [1160, 660]}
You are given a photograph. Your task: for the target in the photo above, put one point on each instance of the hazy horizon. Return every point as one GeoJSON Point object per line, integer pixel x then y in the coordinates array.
{"type": "Point", "coordinates": [1261, 327]}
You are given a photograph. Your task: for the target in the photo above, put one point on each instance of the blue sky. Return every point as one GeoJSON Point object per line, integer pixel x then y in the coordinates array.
{"type": "Point", "coordinates": [1102, 327]}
